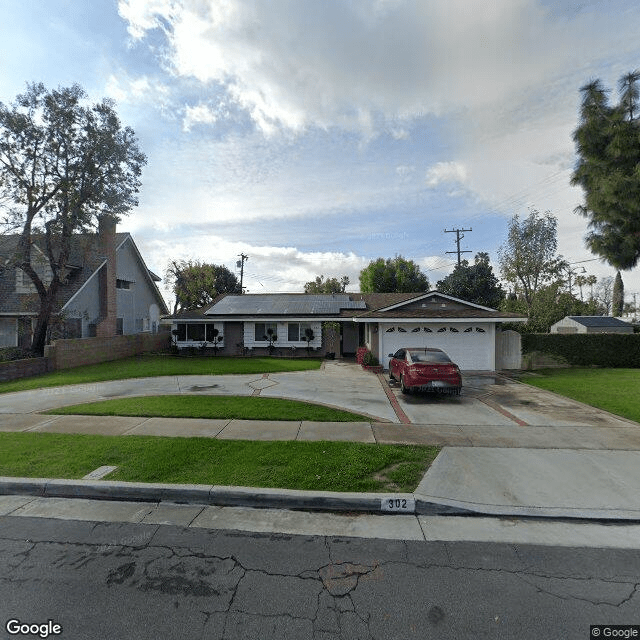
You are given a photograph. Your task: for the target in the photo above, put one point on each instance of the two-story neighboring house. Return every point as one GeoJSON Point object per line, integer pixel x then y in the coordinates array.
{"type": "Point", "coordinates": [108, 290]}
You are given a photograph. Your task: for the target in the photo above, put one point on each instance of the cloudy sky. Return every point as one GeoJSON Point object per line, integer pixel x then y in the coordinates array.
{"type": "Point", "coordinates": [317, 135]}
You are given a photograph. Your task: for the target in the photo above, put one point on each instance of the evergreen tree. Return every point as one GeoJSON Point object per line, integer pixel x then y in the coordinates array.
{"type": "Point", "coordinates": [330, 285]}
{"type": "Point", "coordinates": [617, 302]}
{"type": "Point", "coordinates": [196, 284]}
{"type": "Point", "coordinates": [608, 170]}
{"type": "Point", "coordinates": [393, 275]}
{"type": "Point", "coordinates": [474, 283]}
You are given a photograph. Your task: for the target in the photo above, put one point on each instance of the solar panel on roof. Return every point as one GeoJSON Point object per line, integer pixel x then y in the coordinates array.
{"type": "Point", "coordinates": [284, 304]}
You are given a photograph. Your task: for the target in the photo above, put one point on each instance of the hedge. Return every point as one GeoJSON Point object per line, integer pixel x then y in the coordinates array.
{"type": "Point", "coordinates": [583, 349]}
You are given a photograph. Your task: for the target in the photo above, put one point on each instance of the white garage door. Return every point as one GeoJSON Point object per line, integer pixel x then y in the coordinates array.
{"type": "Point", "coordinates": [471, 346]}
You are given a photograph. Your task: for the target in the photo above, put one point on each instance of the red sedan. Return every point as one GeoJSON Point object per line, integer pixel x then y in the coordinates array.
{"type": "Point", "coordinates": [425, 370]}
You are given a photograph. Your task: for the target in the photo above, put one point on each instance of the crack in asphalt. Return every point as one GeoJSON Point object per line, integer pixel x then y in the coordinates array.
{"type": "Point", "coordinates": [231, 586]}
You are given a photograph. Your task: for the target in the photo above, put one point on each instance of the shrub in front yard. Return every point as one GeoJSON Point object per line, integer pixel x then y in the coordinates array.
{"type": "Point", "coordinates": [583, 349]}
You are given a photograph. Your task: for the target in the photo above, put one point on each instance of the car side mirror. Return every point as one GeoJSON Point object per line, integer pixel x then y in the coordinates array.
{"type": "Point", "coordinates": [391, 355]}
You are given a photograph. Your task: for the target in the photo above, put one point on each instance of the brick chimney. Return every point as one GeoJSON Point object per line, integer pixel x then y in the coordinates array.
{"type": "Point", "coordinates": [107, 278]}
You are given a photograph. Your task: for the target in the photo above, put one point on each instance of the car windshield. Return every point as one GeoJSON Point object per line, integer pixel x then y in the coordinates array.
{"type": "Point", "coordinates": [429, 356]}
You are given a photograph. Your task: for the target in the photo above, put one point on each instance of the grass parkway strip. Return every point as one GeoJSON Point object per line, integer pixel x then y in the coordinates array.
{"type": "Point", "coordinates": [320, 466]}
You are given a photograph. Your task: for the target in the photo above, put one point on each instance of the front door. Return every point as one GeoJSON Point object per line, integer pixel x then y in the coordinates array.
{"type": "Point", "coordinates": [350, 338]}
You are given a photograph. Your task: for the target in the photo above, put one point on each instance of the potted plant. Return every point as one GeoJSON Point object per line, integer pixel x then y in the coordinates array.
{"type": "Point", "coordinates": [371, 363]}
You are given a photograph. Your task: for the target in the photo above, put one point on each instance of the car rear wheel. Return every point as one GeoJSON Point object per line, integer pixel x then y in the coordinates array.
{"type": "Point", "coordinates": [403, 387]}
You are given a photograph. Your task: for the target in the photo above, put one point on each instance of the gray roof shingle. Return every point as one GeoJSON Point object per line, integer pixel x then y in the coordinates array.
{"type": "Point", "coordinates": [599, 321]}
{"type": "Point", "coordinates": [85, 255]}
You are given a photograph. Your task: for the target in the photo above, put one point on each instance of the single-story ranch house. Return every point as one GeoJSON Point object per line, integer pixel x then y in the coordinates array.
{"type": "Point", "coordinates": [591, 324]}
{"type": "Point", "coordinates": [340, 323]}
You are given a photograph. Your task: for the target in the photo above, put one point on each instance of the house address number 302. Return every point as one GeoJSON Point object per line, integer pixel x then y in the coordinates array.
{"type": "Point", "coordinates": [398, 505]}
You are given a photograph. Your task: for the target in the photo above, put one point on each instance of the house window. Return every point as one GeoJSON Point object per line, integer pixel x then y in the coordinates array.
{"type": "Point", "coordinates": [213, 333]}
{"type": "Point", "coordinates": [293, 332]}
{"type": "Point", "coordinates": [123, 284]}
{"type": "Point", "coordinates": [139, 325]}
{"type": "Point", "coordinates": [8, 332]}
{"type": "Point", "coordinates": [119, 326]}
{"type": "Point", "coordinates": [181, 332]}
{"type": "Point", "coordinates": [196, 332]}
{"type": "Point", "coordinates": [72, 328]}
{"type": "Point", "coordinates": [261, 329]}
{"type": "Point", "coordinates": [296, 331]}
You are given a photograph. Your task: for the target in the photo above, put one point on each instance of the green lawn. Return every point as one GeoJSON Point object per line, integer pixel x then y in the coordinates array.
{"type": "Point", "coordinates": [160, 365]}
{"type": "Point", "coordinates": [322, 466]}
{"type": "Point", "coordinates": [615, 390]}
{"type": "Point", "coordinates": [187, 406]}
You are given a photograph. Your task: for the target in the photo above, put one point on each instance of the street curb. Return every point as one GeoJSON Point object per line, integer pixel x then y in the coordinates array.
{"type": "Point", "coordinates": [222, 496]}
{"type": "Point", "coordinates": [261, 498]}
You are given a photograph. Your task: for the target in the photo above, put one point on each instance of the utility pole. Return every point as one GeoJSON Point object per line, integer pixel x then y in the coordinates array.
{"type": "Point", "coordinates": [459, 236]}
{"type": "Point", "coordinates": [240, 265]}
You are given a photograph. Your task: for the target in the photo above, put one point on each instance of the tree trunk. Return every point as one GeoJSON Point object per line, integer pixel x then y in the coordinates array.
{"type": "Point", "coordinates": [42, 322]}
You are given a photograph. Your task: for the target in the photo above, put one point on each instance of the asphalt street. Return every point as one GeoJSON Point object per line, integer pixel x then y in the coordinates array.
{"type": "Point", "coordinates": [122, 580]}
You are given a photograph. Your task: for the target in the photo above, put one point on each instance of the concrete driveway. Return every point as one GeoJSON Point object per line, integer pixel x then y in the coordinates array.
{"type": "Point", "coordinates": [493, 399]}
{"type": "Point", "coordinates": [337, 384]}
{"type": "Point", "coordinates": [487, 401]}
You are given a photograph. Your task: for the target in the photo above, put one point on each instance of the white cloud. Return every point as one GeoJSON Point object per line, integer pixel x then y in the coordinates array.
{"type": "Point", "coordinates": [269, 268]}
{"type": "Point", "coordinates": [126, 89]}
{"type": "Point", "coordinates": [347, 64]}
{"type": "Point", "coordinates": [200, 114]}
{"type": "Point", "coordinates": [446, 172]}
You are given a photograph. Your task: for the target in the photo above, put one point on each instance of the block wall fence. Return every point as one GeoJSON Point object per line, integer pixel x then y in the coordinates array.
{"type": "Point", "coordinates": [65, 354]}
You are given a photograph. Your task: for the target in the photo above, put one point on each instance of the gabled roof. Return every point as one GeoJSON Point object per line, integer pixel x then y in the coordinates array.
{"type": "Point", "coordinates": [360, 306]}
{"type": "Point", "coordinates": [599, 321]}
{"type": "Point", "coordinates": [433, 304]}
{"type": "Point", "coordinates": [85, 258]}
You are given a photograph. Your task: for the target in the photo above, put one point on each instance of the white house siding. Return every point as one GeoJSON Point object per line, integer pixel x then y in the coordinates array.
{"type": "Point", "coordinates": [469, 344]}
{"type": "Point", "coordinates": [567, 325]}
{"type": "Point", "coordinates": [282, 333]}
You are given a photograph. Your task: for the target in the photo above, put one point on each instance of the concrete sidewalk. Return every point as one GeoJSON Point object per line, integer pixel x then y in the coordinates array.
{"type": "Point", "coordinates": [508, 449]}
{"type": "Point", "coordinates": [558, 483]}
{"type": "Point", "coordinates": [623, 437]}
{"type": "Point", "coordinates": [573, 473]}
